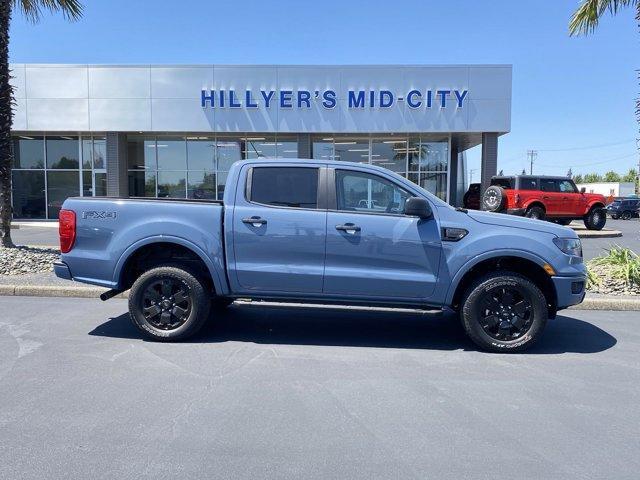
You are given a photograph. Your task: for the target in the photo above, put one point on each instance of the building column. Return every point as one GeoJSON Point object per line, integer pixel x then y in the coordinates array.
{"type": "Point", "coordinates": [489, 164]}
{"type": "Point", "coordinates": [117, 185]}
{"type": "Point", "coordinates": [453, 176]}
{"type": "Point", "coordinates": [304, 145]}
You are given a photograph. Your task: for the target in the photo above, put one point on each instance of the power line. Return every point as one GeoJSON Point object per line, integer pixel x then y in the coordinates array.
{"type": "Point", "coordinates": [602, 145]}
{"type": "Point", "coordinates": [592, 163]}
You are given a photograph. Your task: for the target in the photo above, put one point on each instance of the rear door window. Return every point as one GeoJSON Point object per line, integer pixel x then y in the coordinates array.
{"type": "Point", "coordinates": [528, 183]}
{"type": "Point", "coordinates": [295, 187]}
{"type": "Point", "coordinates": [506, 183]}
{"type": "Point", "coordinates": [548, 185]}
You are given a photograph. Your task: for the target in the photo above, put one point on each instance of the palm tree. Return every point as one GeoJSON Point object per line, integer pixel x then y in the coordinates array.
{"type": "Point", "coordinates": [586, 18]}
{"type": "Point", "coordinates": [32, 9]}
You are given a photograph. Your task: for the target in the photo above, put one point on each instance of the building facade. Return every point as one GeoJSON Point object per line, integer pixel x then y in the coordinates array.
{"type": "Point", "coordinates": [174, 131]}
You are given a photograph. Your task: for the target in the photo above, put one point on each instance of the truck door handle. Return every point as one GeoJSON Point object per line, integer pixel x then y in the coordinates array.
{"type": "Point", "coordinates": [349, 228]}
{"type": "Point", "coordinates": [255, 221]}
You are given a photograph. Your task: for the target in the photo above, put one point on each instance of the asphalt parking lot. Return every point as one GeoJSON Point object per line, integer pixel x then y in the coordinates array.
{"type": "Point", "coordinates": [273, 392]}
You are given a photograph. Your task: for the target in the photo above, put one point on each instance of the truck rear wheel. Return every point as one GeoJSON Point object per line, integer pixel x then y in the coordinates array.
{"type": "Point", "coordinates": [168, 303]}
{"type": "Point", "coordinates": [595, 219]}
{"type": "Point", "coordinates": [504, 312]}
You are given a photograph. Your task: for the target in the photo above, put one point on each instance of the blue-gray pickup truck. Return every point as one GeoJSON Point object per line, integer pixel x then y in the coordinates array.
{"type": "Point", "coordinates": [322, 232]}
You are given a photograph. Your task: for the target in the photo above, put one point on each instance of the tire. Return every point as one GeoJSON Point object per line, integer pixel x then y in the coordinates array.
{"type": "Point", "coordinates": [626, 215]}
{"type": "Point", "coordinates": [535, 212]}
{"type": "Point", "coordinates": [595, 219]}
{"type": "Point", "coordinates": [563, 221]}
{"type": "Point", "coordinates": [169, 303]}
{"type": "Point", "coordinates": [615, 217]}
{"type": "Point", "coordinates": [520, 318]}
{"type": "Point", "coordinates": [494, 199]}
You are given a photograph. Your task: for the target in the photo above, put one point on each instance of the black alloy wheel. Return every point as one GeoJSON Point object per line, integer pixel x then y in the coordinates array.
{"type": "Point", "coordinates": [166, 303]}
{"type": "Point", "coordinates": [169, 302]}
{"type": "Point", "coordinates": [537, 213]}
{"type": "Point", "coordinates": [503, 311]}
{"type": "Point", "coordinates": [626, 215]}
{"type": "Point", "coordinates": [506, 312]}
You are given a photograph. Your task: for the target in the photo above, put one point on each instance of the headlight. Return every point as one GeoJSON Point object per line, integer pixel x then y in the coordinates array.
{"type": "Point", "coordinates": [570, 246]}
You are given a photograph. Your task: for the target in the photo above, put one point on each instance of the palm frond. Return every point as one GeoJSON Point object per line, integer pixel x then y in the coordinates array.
{"type": "Point", "coordinates": [586, 18]}
{"type": "Point", "coordinates": [32, 9]}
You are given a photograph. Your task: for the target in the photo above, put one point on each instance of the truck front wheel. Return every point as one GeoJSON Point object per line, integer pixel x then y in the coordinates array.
{"type": "Point", "coordinates": [595, 219]}
{"type": "Point", "coordinates": [168, 303]}
{"type": "Point", "coordinates": [503, 312]}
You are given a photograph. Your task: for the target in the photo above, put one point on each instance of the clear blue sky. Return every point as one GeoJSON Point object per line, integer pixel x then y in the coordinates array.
{"type": "Point", "coordinates": [568, 93]}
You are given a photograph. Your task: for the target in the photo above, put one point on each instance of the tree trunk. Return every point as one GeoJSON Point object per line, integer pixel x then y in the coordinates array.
{"type": "Point", "coordinates": [6, 103]}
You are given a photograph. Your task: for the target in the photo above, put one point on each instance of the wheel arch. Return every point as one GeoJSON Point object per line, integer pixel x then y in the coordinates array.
{"type": "Point", "coordinates": [524, 263]}
{"type": "Point", "coordinates": [162, 245]}
{"type": "Point", "coordinates": [535, 203]}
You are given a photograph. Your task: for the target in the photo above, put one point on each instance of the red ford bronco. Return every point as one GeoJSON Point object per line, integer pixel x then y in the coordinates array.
{"type": "Point", "coordinates": [552, 198]}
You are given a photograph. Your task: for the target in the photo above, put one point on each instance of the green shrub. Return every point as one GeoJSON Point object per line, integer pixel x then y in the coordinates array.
{"type": "Point", "coordinates": [619, 262]}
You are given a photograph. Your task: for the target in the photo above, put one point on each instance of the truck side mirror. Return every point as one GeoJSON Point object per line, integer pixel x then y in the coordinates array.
{"type": "Point", "coordinates": [583, 190]}
{"type": "Point", "coordinates": [418, 207]}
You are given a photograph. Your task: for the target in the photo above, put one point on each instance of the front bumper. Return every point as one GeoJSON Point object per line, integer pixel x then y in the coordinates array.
{"type": "Point", "coordinates": [569, 290]}
{"type": "Point", "coordinates": [516, 211]}
{"type": "Point", "coordinates": [62, 270]}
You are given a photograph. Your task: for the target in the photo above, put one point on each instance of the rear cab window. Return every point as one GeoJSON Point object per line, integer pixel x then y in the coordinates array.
{"type": "Point", "coordinates": [293, 187]}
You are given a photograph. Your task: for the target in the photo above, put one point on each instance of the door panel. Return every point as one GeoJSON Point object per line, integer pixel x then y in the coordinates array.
{"type": "Point", "coordinates": [279, 245]}
{"type": "Point", "coordinates": [373, 250]}
{"type": "Point", "coordinates": [388, 257]}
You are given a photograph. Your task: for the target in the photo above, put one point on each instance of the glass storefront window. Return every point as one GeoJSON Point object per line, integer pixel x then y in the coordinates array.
{"type": "Point", "coordinates": [287, 147]}
{"type": "Point", "coordinates": [171, 153]}
{"type": "Point", "coordinates": [62, 152]}
{"type": "Point", "coordinates": [351, 149]}
{"type": "Point", "coordinates": [227, 152]}
{"type": "Point", "coordinates": [28, 194]}
{"type": "Point", "coordinates": [100, 181]}
{"type": "Point", "coordinates": [94, 153]}
{"type": "Point", "coordinates": [28, 152]}
{"type": "Point", "coordinates": [142, 184]}
{"type": "Point", "coordinates": [322, 149]}
{"type": "Point", "coordinates": [260, 147]}
{"type": "Point", "coordinates": [141, 153]}
{"type": "Point", "coordinates": [390, 153]}
{"type": "Point", "coordinates": [432, 182]}
{"type": "Point", "coordinates": [60, 185]}
{"type": "Point", "coordinates": [172, 184]}
{"type": "Point", "coordinates": [87, 183]}
{"type": "Point", "coordinates": [201, 185]}
{"type": "Point", "coordinates": [201, 153]}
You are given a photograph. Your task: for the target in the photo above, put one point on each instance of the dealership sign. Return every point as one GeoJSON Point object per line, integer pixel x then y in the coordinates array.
{"type": "Point", "coordinates": [444, 98]}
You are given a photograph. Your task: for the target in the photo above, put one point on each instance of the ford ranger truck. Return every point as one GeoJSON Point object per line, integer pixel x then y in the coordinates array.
{"type": "Point", "coordinates": [325, 232]}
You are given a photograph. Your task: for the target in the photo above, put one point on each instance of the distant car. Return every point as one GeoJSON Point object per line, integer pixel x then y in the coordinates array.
{"type": "Point", "coordinates": [471, 199]}
{"type": "Point", "coordinates": [624, 209]}
{"type": "Point", "coordinates": [555, 199]}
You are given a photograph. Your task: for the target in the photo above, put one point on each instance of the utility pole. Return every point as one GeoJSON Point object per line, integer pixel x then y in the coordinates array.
{"type": "Point", "coordinates": [532, 155]}
{"type": "Point", "coordinates": [638, 148]}
{"type": "Point", "coordinates": [471, 170]}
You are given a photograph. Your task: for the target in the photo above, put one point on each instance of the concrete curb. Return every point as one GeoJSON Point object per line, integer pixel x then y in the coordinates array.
{"type": "Point", "coordinates": [613, 303]}
{"type": "Point", "coordinates": [598, 233]}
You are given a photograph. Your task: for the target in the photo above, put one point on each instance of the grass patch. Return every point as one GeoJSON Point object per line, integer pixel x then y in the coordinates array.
{"type": "Point", "coordinates": [618, 263]}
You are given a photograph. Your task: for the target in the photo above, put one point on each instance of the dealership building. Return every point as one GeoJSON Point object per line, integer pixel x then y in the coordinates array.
{"type": "Point", "coordinates": [174, 131]}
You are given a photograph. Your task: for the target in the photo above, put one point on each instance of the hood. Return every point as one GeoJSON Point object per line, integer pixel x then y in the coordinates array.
{"type": "Point", "coordinates": [505, 220]}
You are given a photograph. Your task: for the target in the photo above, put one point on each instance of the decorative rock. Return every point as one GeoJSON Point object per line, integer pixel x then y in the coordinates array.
{"type": "Point", "coordinates": [23, 260]}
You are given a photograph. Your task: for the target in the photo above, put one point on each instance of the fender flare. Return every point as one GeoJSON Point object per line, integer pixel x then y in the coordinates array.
{"type": "Point", "coordinates": [216, 276]}
{"type": "Point", "coordinates": [593, 204]}
{"type": "Point", "coordinates": [457, 278]}
{"type": "Point", "coordinates": [535, 201]}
